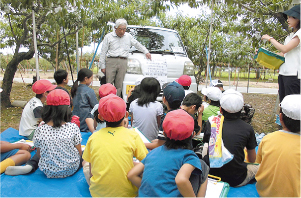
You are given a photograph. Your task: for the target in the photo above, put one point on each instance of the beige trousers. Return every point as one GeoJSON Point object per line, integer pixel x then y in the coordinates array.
{"type": "Point", "coordinates": [115, 72]}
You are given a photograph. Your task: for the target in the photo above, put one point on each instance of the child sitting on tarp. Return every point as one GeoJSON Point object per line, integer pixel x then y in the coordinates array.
{"type": "Point", "coordinates": [61, 78]}
{"type": "Point", "coordinates": [279, 154]}
{"type": "Point", "coordinates": [212, 96]}
{"type": "Point", "coordinates": [236, 135]}
{"type": "Point", "coordinates": [173, 95]}
{"type": "Point", "coordinates": [13, 154]}
{"type": "Point", "coordinates": [58, 141]}
{"type": "Point", "coordinates": [96, 124]}
{"type": "Point", "coordinates": [145, 111]}
{"type": "Point", "coordinates": [31, 115]}
{"type": "Point", "coordinates": [166, 170]}
{"type": "Point", "coordinates": [110, 152]}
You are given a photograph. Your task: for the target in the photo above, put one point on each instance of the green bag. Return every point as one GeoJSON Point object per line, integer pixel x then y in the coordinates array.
{"type": "Point", "coordinates": [269, 59]}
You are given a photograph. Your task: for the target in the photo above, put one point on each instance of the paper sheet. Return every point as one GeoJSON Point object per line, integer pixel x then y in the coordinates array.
{"type": "Point", "coordinates": [214, 189]}
{"type": "Point", "coordinates": [30, 143]}
{"type": "Point", "coordinates": [144, 139]}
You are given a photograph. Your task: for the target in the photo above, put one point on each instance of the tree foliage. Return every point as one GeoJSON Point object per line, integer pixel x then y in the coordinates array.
{"type": "Point", "coordinates": [57, 22]}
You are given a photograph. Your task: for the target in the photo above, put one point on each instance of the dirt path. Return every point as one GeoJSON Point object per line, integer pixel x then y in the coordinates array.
{"type": "Point", "coordinates": [49, 75]}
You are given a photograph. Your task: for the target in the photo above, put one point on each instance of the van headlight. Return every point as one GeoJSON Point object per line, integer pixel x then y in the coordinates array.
{"type": "Point", "coordinates": [188, 68]}
{"type": "Point", "coordinates": [134, 66]}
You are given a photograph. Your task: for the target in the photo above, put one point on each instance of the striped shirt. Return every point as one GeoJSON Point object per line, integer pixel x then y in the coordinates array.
{"type": "Point", "coordinates": [115, 46]}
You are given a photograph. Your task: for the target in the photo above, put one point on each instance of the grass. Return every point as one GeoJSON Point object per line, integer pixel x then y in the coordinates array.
{"type": "Point", "coordinates": [244, 75]}
{"type": "Point", "coordinates": [263, 120]}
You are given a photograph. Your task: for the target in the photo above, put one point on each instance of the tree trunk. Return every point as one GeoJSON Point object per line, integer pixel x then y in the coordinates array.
{"type": "Point", "coordinates": [257, 73]}
{"type": "Point", "coordinates": [9, 74]}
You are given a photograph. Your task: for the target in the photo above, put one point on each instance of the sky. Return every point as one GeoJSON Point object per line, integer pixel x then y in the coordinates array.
{"type": "Point", "coordinates": [184, 9]}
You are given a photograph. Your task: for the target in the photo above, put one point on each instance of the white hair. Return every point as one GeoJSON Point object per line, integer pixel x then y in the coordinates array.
{"type": "Point", "coordinates": [121, 22]}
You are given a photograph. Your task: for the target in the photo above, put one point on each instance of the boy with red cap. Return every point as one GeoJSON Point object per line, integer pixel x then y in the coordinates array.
{"type": "Point", "coordinates": [170, 177]}
{"type": "Point", "coordinates": [185, 81]}
{"type": "Point", "coordinates": [93, 122]}
{"type": "Point", "coordinates": [31, 115]}
{"type": "Point", "coordinates": [110, 151]}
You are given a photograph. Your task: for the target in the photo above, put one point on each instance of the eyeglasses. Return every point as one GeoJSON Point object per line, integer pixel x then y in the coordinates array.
{"type": "Point", "coordinates": [121, 29]}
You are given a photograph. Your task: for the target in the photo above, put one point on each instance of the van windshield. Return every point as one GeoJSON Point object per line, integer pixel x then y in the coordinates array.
{"type": "Point", "coordinates": [157, 41]}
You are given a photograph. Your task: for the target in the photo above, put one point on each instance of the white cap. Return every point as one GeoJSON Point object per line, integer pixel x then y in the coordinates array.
{"type": "Point", "coordinates": [138, 81]}
{"type": "Point", "coordinates": [232, 101]}
{"type": "Point", "coordinates": [212, 93]}
{"type": "Point", "coordinates": [215, 82]}
{"type": "Point", "coordinates": [291, 105]}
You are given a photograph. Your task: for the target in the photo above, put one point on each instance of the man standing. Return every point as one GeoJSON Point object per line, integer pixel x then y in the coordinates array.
{"type": "Point", "coordinates": [114, 53]}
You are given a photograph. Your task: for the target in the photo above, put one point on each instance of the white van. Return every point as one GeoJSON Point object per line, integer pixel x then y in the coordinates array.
{"type": "Point", "coordinates": [169, 58]}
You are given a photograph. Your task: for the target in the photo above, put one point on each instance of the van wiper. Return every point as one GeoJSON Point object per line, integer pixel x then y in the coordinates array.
{"type": "Point", "coordinates": [135, 51]}
{"type": "Point", "coordinates": [161, 52]}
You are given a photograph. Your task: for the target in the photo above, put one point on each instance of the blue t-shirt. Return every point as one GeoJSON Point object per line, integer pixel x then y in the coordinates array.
{"type": "Point", "coordinates": [161, 168]}
{"type": "Point", "coordinates": [83, 102]}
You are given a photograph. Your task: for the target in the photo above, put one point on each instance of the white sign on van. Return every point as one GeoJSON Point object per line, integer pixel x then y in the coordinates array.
{"type": "Point", "coordinates": [157, 68]}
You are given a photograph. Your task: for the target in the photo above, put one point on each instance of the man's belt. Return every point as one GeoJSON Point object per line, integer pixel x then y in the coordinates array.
{"type": "Point", "coordinates": [117, 57]}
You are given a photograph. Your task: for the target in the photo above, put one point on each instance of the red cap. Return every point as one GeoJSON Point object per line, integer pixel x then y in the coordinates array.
{"type": "Point", "coordinates": [112, 108]}
{"type": "Point", "coordinates": [107, 89]}
{"type": "Point", "coordinates": [178, 125]}
{"type": "Point", "coordinates": [41, 86]}
{"type": "Point", "coordinates": [184, 80]}
{"type": "Point", "coordinates": [58, 97]}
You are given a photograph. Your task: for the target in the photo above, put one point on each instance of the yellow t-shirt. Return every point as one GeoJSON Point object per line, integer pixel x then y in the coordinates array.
{"type": "Point", "coordinates": [110, 152]}
{"type": "Point", "coordinates": [279, 171]}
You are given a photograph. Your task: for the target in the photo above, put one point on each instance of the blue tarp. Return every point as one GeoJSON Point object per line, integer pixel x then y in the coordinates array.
{"type": "Point", "coordinates": [38, 185]}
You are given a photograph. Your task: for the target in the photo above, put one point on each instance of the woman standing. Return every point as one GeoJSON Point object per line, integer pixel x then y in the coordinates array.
{"type": "Point", "coordinates": [289, 72]}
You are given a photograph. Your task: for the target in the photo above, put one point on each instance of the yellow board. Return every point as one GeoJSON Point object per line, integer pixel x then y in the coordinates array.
{"type": "Point", "coordinates": [128, 88]}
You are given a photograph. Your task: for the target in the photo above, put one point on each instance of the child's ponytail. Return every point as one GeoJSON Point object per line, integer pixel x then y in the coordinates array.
{"type": "Point", "coordinates": [82, 74]}
{"type": "Point", "coordinates": [74, 88]}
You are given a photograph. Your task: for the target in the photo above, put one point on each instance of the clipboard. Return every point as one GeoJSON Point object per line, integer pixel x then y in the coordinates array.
{"type": "Point", "coordinates": [144, 139]}
{"type": "Point", "coordinates": [216, 188]}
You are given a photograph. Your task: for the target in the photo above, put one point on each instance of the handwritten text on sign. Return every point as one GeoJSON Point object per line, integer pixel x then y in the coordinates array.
{"type": "Point", "coordinates": [157, 69]}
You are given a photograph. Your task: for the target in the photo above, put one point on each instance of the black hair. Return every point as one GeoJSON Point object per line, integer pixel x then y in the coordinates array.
{"type": "Point", "coordinates": [39, 96]}
{"type": "Point", "coordinates": [57, 114]}
{"type": "Point", "coordinates": [96, 117]}
{"type": "Point", "coordinates": [82, 74]}
{"type": "Point", "coordinates": [219, 85]}
{"type": "Point", "coordinates": [114, 124]}
{"type": "Point", "coordinates": [60, 75]}
{"type": "Point", "coordinates": [149, 89]}
{"type": "Point", "coordinates": [179, 144]}
{"type": "Point", "coordinates": [186, 87]}
{"type": "Point", "coordinates": [291, 124]}
{"type": "Point", "coordinates": [231, 115]}
{"type": "Point", "coordinates": [298, 27]}
{"type": "Point", "coordinates": [175, 104]}
{"type": "Point", "coordinates": [192, 99]}
{"type": "Point", "coordinates": [213, 103]}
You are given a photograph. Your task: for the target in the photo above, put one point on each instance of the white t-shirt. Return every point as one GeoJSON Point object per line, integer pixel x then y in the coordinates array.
{"type": "Point", "coordinates": [292, 58]}
{"type": "Point", "coordinates": [188, 92]}
{"type": "Point", "coordinates": [145, 118]}
{"type": "Point", "coordinates": [99, 125]}
{"type": "Point", "coordinates": [59, 157]}
{"type": "Point", "coordinates": [30, 116]}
